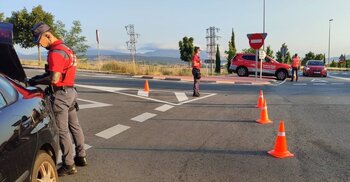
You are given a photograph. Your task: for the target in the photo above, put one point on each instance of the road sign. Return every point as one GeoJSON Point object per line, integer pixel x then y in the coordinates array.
{"type": "Point", "coordinates": [262, 54]}
{"type": "Point", "coordinates": [256, 40]}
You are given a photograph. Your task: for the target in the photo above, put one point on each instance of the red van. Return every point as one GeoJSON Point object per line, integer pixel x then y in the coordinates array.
{"type": "Point", "coordinates": [244, 65]}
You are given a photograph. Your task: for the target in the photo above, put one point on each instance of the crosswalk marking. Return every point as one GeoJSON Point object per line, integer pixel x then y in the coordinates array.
{"type": "Point", "coordinates": [181, 96]}
{"type": "Point", "coordinates": [163, 108]}
{"type": "Point", "coordinates": [112, 131]}
{"type": "Point", "coordinates": [319, 80]}
{"type": "Point", "coordinates": [143, 117]}
{"type": "Point", "coordinates": [92, 105]}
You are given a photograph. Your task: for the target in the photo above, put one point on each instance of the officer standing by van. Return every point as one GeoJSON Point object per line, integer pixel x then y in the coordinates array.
{"type": "Point", "coordinates": [62, 67]}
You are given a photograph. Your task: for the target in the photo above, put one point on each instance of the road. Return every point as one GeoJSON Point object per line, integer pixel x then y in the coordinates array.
{"type": "Point", "coordinates": [171, 136]}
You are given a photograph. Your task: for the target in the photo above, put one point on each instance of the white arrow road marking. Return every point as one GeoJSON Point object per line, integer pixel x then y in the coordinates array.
{"type": "Point", "coordinates": [164, 108]}
{"type": "Point", "coordinates": [143, 117]}
{"type": "Point", "coordinates": [93, 105]}
{"type": "Point", "coordinates": [340, 78]}
{"type": "Point", "coordinates": [112, 131]}
{"type": "Point", "coordinates": [142, 93]}
{"type": "Point", "coordinates": [181, 96]}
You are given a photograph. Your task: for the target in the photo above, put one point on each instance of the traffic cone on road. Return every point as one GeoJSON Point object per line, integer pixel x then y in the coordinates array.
{"type": "Point", "coordinates": [260, 100]}
{"type": "Point", "coordinates": [146, 87]}
{"type": "Point", "coordinates": [264, 116]}
{"type": "Point", "coordinates": [281, 150]}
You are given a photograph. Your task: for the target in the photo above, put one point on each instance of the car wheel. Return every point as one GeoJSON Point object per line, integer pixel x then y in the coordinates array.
{"type": "Point", "coordinates": [44, 168]}
{"type": "Point", "coordinates": [242, 71]}
{"type": "Point", "coordinates": [281, 75]}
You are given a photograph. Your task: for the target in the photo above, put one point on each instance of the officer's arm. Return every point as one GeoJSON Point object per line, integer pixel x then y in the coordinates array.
{"type": "Point", "coordinates": [55, 77]}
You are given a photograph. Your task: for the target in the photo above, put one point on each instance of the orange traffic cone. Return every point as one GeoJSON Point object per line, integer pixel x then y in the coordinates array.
{"type": "Point", "coordinates": [260, 100]}
{"type": "Point", "coordinates": [146, 87]}
{"type": "Point", "coordinates": [280, 150]}
{"type": "Point", "coordinates": [264, 116]}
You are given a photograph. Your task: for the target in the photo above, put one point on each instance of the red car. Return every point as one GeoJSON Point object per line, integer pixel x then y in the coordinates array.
{"type": "Point", "coordinates": [244, 64]}
{"type": "Point", "coordinates": [315, 68]}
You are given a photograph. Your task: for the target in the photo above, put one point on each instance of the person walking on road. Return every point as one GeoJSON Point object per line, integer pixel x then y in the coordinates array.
{"type": "Point", "coordinates": [295, 67]}
{"type": "Point", "coordinates": [62, 71]}
{"type": "Point", "coordinates": [196, 71]}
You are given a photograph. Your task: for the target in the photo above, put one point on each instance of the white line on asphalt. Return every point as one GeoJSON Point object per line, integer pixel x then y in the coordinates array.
{"type": "Point", "coordinates": [59, 159]}
{"type": "Point", "coordinates": [300, 84]}
{"type": "Point", "coordinates": [117, 89]}
{"type": "Point", "coordinates": [181, 96]}
{"type": "Point", "coordinates": [163, 108]}
{"type": "Point", "coordinates": [319, 83]}
{"type": "Point", "coordinates": [143, 117]}
{"type": "Point", "coordinates": [93, 105]}
{"type": "Point", "coordinates": [340, 78]}
{"type": "Point", "coordinates": [280, 83]}
{"type": "Point", "coordinates": [112, 131]}
{"type": "Point", "coordinates": [337, 83]}
{"type": "Point", "coordinates": [344, 73]}
{"type": "Point", "coordinates": [142, 93]}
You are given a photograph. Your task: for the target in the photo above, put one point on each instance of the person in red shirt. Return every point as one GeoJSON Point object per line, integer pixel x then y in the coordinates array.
{"type": "Point", "coordinates": [295, 67]}
{"type": "Point", "coordinates": [196, 71]}
{"type": "Point", "coordinates": [62, 70]}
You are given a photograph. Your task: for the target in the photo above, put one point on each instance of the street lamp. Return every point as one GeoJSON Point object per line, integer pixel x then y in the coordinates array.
{"type": "Point", "coordinates": [329, 40]}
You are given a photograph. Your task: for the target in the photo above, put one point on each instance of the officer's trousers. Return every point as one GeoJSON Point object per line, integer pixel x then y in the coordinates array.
{"type": "Point", "coordinates": [68, 124]}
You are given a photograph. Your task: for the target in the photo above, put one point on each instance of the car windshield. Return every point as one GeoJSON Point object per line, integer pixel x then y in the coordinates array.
{"type": "Point", "coordinates": [315, 63]}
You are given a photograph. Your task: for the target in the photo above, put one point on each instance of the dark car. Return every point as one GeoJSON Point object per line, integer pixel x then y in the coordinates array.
{"type": "Point", "coordinates": [28, 132]}
{"type": "Point", "coordinates": [244, 65]}
{"type": "Point", "coordinates": [315, 68]}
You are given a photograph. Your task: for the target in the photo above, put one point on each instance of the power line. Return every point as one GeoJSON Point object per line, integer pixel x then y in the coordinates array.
{"type": "Point", "coordinates": [131, 44]}
{"type": "Point", "coordinates": [211, 44]}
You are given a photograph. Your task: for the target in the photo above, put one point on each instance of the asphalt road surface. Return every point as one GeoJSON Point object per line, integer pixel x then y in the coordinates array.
{"type": "Point", "coordinates": [171, 136]}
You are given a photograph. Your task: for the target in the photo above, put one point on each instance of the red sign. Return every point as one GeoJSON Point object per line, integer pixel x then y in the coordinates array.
{"type": "Point", "coordinates": [256, 40]}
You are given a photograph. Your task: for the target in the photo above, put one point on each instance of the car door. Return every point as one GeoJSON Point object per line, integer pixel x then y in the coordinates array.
{"type": "Point", "coordinates": [268, 66]}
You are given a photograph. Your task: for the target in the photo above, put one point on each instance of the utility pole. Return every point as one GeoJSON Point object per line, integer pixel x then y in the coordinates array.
{"type": "Point", "coordinates": [329, 41]}
{"type": "Point", "coordinates": [211, 45]}
{"type": "Point", "coordinates": [131, 44]}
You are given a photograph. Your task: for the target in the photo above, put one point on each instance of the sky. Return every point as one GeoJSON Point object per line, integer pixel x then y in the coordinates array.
{"type": "Point", "coordinates": [302, 24]}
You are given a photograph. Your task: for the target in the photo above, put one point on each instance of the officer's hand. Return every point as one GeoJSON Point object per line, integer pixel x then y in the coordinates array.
{"type": "Point", "coordinates": [32, 82]}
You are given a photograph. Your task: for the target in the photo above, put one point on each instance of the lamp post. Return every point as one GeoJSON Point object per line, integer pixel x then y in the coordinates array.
{"type": "Point", "coordinates": [329, 40]}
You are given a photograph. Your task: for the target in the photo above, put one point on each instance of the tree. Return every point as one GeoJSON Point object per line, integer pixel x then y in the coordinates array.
{"type": "Point", "coordinates": [309, 56]}
{"type": "Point", "coordinates": [61, 31]}
{"type": "Point", "coordinates": [249, 50]}
{"type": "Point", "coordinates": [287, 58]}
{"type": "Point", "coordinates": [23, 21]}
{"type": "Point", "coordinates": [186, 49]}
{"type": "Point", "coordinates": [269, 52]}
{"type": "Point", "coordinates": [75, 40]}
{"type": "Point", "coordinates": [2, 17]}
{"type": "Point", "coordinates": [217, 60]}
{"type": "Point", "coordinates": [319, 57]}
{"type": "Point", "coordinates": [333, 64]}
{"type": "Point", "coordinates": [324, 59]}
{"type": "Point", "coordinates": [231, 51]}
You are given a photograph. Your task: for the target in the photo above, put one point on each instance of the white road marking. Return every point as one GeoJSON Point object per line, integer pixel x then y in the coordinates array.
{"type": "Point", "coordinates": [93, 105]}
{"type": "Point", "coordinates": [112, 131]}
{"type": "Point", "coordinates": [117, 89]}
{"type": "Point", "coordinates": [142, 93]}
{"type": "Point", "coordinates": [143, 117]}
{"type": "Point", "coordinates": [163, 108]}
{"type": "Point", "coordinates": [340, 78]}
{"type": "Point", "coordinates": [337, 83]}
{"type": "Point", "coordinates": [318, 80]}
{"type": "Point", "coordinates": [181, 96]}
{"type": "Point", "coordinates": [300, 84]}
{"type": "Point", "coordinates": [284, 81]}
{"type": "Point", "coordinates": [59, 156]}
{"type": "Point", "coordinates": [319, 83]}
{"type": "Point", "coordinates": [344, 73]}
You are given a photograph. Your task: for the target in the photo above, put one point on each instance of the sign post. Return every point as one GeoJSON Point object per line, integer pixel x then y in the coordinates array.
{"type": "Point", "coordinates": [256, 40]}
{"type": "Point", "coordinates": [262, 55]}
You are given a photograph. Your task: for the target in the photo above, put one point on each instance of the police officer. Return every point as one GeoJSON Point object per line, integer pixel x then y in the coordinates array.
{"type": "Point", "coordinates": [196, 71]}
{"type": "Point", "coordinates": [62, 67]}
{"type": "Point", "coordinates": [295, 67]}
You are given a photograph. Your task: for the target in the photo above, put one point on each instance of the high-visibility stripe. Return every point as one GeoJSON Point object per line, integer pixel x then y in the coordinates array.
{"type": "Point", "coordinates": [281, 134]}
{"type": "Point", "coordinates": [264, 108]}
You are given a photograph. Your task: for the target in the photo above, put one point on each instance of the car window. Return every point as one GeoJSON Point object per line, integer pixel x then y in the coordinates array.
{"type": "Point", "coordinates": [249, 57]}
{"type": "Point", "coordinates": [267, 60]}
{"type": "Point", "coordinates": [315, 63]}
{"type": "Point", "coordinates": [2, 101]}
{"type": "Point", "coordinates": [8, 92]}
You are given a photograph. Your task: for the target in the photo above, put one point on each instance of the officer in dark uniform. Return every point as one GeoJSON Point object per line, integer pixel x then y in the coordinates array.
{"type": "Point", "coordinates": [61, 78]}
